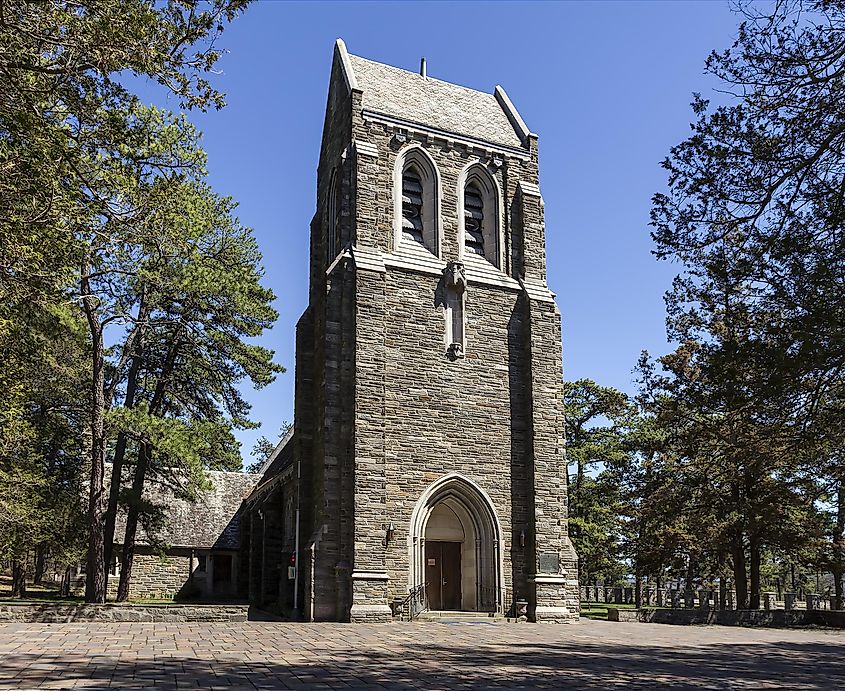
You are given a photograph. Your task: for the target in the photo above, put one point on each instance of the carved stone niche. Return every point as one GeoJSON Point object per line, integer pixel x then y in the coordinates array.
{"type": "Point", "coordinates": [456, 277]}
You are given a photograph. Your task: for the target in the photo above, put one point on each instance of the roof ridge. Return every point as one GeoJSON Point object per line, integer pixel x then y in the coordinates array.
{"type": "Point", "coordinates": [427, 78]}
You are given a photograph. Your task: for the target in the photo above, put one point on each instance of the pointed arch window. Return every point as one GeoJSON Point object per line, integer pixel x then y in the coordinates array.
{"type": "Point", "coordinates": [416, 202]}
{"type": "Point", "coordinates": [332, 219]}
{"type": "Point", "coordinates": [480, 217]}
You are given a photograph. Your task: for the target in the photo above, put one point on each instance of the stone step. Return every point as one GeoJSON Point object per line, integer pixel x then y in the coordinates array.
{"type": "Point", "coordinates": [443, 616]}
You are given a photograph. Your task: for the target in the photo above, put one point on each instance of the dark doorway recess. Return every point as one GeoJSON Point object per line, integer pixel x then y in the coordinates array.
{"type": "Point", "coordinates": [443, 575]}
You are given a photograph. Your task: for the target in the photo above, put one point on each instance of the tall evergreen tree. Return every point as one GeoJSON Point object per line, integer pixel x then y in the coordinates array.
{"type": "Point", "coordinates": [597, 418]}
{"type": "Point", "coordinates": [755, 215]}
{"type": "Point", "coordinates": [80, 165]}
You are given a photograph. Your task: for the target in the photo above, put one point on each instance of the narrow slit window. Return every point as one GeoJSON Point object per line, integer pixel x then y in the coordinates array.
{"type": "Point", "coordinates": [412, 203]}
{"type": "Point", "coordinates": [474, 220]}
{"type": "Point", "coordinates": [333, 221]}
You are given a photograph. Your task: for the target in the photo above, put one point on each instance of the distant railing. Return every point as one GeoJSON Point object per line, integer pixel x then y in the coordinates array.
{"type": "Point", "coordinates": [703, 598]}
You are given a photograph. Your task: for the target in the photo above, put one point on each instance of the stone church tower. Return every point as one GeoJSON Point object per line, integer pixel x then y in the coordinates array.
{"type": "Point", "coordinates": [428, 418]}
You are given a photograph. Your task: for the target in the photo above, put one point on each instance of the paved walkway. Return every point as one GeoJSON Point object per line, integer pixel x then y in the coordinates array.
{"type": "Point", "coordinates": [588, 655]}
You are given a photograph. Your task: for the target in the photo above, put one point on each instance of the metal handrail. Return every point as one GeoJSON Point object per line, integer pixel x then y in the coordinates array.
{"type": "Point", "coordinates": [416, 602]}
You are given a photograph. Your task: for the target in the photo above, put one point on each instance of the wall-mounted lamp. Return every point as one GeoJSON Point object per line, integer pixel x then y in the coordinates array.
{"type": "Point", "coordinates": [390, 533]}
{"type": "Point", "coordinates": [522, 538]}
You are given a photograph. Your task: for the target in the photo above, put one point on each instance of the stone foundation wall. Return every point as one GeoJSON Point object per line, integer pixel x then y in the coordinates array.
{"type": "Point", "coordinates": [777, 618]}
{"type": "Point", "coordinates": [62, 613]}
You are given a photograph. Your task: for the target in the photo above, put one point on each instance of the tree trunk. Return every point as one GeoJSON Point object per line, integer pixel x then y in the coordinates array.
{"type": "Point", "coordinates": [132, 514]}
{"type": "Point", "coordinates": [95, 573]}
{"type": "Point", "coordinates": [638, 590]}
{"type": "Point", "coordinates": [754, 544]}
{"type": "Point", "coordinates": [117, 461]}
{"type": "Point", "coordinates": [40, 564]}
{"type": "Point", "coordinates": [18, 579]}
{"type": "Point", "coordinates": [690, 574]}
{"type": "Point", "coordinates": [144, 455]}
{"type": "Point", "coordinates": [740, 574]}
{"type": "Point", "coordinates": [838, 560]}
{"type": "Point", "coordinates": [137, 349]}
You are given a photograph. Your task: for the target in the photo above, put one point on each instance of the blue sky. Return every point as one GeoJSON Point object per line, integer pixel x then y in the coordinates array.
{"type": "Point", "coordinates": [606, 85]}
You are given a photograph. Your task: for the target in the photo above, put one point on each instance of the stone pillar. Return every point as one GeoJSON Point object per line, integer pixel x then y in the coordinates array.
{"type": "Point", "coordinates": [704, 599]}
{"type": "Point", "coordinates": [555, 577]}
{"type": "Point", "coordinates": [676, 598]}
{"type": "Point", "coordinates": [812, 601]}
{"type": "Point", "coordinates": [723, 594]}
{"type": "Point", "coordinates": [789, 601]}
{"type": "Point", "coordinates": [617, 595]}
{"type": "Point", "coordinates": [629, 595]}
{"type": "Point", "coordinates": [769, 600]}
{"type": "Point", "coordinates": [732, 599]}
{"type": "Point", "coordinates": [370, 580]}
{"type": "Point", "coordinates": [659, 596]}
{"type": "Point", "coordinates": [689, 598]}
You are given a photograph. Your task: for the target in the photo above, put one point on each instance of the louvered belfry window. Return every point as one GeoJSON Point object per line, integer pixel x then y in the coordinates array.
{"type": "Point", "coordinates": [412, 203]}
{"type": "Point", "coordinates": [473, 220]}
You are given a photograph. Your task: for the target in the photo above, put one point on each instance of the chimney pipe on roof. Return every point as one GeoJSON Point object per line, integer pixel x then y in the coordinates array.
{"type": "Point", "coordinates": [422, 69]}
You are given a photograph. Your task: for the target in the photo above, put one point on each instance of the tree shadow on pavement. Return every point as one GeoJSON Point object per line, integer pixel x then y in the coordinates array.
{"type": "Point", "coordinates": [560, 665]}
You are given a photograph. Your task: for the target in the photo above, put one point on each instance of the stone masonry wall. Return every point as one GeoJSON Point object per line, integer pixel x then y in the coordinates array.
{"type": "Point", "coordinates": [63, 613]}
{"type": "Point", "coordinates": [443, 416]}
{"type": "Point", "coordinates": [388, 413]}
{"type": "Point", "coordinates": [155, 576]}
{"type": "Point", "coordinates": [494, 416]}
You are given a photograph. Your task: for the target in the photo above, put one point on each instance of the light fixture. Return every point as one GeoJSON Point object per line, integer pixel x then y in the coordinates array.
{"type": "Point", "coordinates": [390, 533]}
{"type": "Point", "coordinates": [522, 538]}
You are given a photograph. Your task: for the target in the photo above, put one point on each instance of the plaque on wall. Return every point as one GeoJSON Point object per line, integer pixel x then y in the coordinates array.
{"type": "Point", "coordinates": [549, 562]}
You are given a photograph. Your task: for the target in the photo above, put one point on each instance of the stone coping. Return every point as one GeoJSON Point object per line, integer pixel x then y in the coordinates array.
{"type": "Point", "coordinates": [774, 618]}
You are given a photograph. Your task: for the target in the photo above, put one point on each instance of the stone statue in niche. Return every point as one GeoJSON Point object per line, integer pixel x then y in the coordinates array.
{"type": "Point", "coordinates": [456, 278]}
{"type": "Point", "coordinates": [455, 351]}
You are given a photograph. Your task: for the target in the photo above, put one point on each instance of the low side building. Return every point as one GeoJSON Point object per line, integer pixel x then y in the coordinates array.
{"type": "Point", "coordinates": [268, 533]}
{"type": "Point", "coordinates": [201, 540]}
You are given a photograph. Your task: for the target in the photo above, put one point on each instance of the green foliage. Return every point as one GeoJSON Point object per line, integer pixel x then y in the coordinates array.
{"type": "Point", "coordinates": [64, 112]}
{"type": "Point", "coordinates": [263, 447]}
{"type": "Point", "coordinates": [751, 399]}
{"type": "Point", "coordinates": [597, 419]}
{"type": "Point", "coordinates": [105, 215]}
{"type": "Point", "coordinates": [41, 422]}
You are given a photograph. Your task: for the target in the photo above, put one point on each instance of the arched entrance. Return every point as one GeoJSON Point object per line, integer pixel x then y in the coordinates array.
{"type": "Point", "coordinates": [454, 547]}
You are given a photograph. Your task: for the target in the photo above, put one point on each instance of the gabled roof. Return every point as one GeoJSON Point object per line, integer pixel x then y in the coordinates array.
{"type": "Point", "coordinates": [434, 103]}
{"type": "Point", "coordinates": [212, 521]}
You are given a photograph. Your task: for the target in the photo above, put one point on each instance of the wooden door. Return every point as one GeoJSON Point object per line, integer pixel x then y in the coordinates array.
{"type": "Point", "coordinates": [443, 575]}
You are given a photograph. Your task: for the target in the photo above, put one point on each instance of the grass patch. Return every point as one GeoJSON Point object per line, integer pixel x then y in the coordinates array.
{"type": "Point", "coordinates": [598, 610]}
{"type": "Point", "coordinates": [46, 592]}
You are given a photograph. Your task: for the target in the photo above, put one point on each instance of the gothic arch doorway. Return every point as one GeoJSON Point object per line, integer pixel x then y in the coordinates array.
{"type": "Point", "coordinates": [455, 537]}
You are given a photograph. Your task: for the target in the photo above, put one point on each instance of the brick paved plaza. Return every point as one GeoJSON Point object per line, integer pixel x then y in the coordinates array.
{"type": "Point", "coordinates": [590, 654]}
